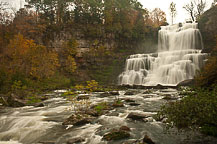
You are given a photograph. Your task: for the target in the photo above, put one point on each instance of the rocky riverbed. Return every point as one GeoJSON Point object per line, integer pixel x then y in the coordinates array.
{"type": "Point", "coordinates": [126, 117]}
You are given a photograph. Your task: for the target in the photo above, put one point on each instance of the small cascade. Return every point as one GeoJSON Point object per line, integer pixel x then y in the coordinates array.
{"type": "Point", "coordinates": [179, 57]}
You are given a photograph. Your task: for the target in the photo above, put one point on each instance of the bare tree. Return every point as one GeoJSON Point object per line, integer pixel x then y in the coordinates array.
{"type": "Point", "coordinates": [200, 7]}
{"type": "Point", "coordinates": [190, 9]}
{"type": "Point", "coordinates": [173, 11]}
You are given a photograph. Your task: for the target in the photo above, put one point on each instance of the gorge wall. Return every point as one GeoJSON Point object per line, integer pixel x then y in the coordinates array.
{"type": "Point", "coordinates": [208, 27]}
{"type": "Point", "coordinates": [101, 58]}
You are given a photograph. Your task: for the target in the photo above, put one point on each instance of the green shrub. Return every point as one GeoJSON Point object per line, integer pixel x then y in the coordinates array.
{"type": "Point", "coordinates": [194, 111]}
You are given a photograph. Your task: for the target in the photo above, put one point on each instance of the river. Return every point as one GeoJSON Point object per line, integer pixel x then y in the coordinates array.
{"type": "Point", "coordinates": [43, 125]}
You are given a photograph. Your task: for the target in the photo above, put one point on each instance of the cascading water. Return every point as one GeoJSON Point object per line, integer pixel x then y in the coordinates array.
{"type": "Point", "coordinates": [179, 57]}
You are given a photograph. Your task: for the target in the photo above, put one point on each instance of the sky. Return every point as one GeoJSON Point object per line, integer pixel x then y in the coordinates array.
{"type": "Point", "coordinates": [182, 15]}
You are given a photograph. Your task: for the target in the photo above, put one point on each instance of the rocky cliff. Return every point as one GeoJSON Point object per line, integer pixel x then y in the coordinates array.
{"type": "Point", "coordinates": [208, 28]}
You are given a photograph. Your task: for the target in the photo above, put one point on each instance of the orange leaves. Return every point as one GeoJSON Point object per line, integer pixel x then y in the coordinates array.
{"type": "Point", "coordinates": [31, 59]}
{"type": "Point", "coordinates": [156, 18]}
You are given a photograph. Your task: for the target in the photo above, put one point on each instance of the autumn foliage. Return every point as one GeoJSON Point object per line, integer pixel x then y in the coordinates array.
{"type": "Point", "coordinates": [35, 61]}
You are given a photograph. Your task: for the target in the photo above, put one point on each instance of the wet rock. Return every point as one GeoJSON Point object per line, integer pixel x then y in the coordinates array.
{"type": "Point", "coordinates": [47, 142]}
{"type": "Point", "coordinates": [83, 97]}
{"type": "Point", "coordinates": [14, 102]}
{"type": "Point", "coordinates": [116, 135]}
{"type": "Point", "coordinates": [169, 97]}
{"type": "Point", "coordinates": [118, 104]}
{"type": "Point", "coordinates": [147, 92]}
{"type": "Point", "coordinates": [75, 140]}
{"type": "Point", "coordinates": [125, 128]}
{"type": "Point", "coordinates": [43, 98]}
{"type": "Point", "coordinates": [78, 120]}
{"type": "Point", "coordinates": [189, 82]}
{"type": "Point", "coordinates": [130, 93]}
{"type": "Point", "coordinates": [129, 100]}
{"type": "Point", "coordinates": [114, 92]}
{"type": "Point", "coordinates": [149, 119]}
{"type": "Point", "coordinates": [147, 140]}
{"type": "Point", "coordinates": [131, 142]}
{"type": "Point", "coordinates": [3, 101]}
{"type": "Point", "coordinates": [134, 104]}
{"type": "Point", "coordinates": [105, 94]}
{"type": "Point", "coordinates": [39, 105]}
{"type": "Point", "coordinates": [137, 116]}
{"type": "Point", "coordinates": [92, 112]}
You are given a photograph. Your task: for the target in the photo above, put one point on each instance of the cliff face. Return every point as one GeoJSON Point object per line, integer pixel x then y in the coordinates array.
{"type": "Point", "coordinates": [208, 28]}
{"type": "Point", "coordinates": [101, 58]}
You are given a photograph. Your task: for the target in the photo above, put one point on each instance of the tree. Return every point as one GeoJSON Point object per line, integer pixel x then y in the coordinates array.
{"type": "Point", "coordinates": [195, 9]}
{"type": "Point", "coordinates": [158, 17]}
{"type": "Point", "coordinates": [173, 11]}
{"type": "Point", "coordinates": [200, 7]}
{"type": "Point", "coordinates": [26, 57]}
{"type": "Point", "coordinates": [53, 11]}
{"type": "Point", "coordinates": [190, 9]}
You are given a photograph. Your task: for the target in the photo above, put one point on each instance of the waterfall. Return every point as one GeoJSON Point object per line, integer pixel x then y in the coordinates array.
{"type": "Point", "coordinates": [178, 58]}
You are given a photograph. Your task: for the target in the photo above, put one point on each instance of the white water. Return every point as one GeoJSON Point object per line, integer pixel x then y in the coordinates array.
{"type": "Point", "coordinates": [179, 57]}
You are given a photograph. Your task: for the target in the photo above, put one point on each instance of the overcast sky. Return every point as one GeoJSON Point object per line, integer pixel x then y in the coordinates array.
{"type": "Point", "coordinates": [164, 5]}
{"type": "Point", "coordinates": [150, 4]}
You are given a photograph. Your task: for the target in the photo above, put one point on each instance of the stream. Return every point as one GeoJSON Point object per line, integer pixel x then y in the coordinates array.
{"type": "Point", "coordinates": [43, 125]}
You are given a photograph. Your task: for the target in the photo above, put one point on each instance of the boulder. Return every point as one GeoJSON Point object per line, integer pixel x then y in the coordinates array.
{"type": "Point", "coordinates": [147, 140]}
{"type": "Point", "coordinates": [114, 92]}
{"type": "Point", "coordinates": [118, 104]}
{"type": "Point", "coordinates": [78, 120]}
{"type": "Point", "coordinates": [116, 135]}
{"type": "Point", "coordinates": [125, 128]}
{"type": "Point", "coordinates": [137, 116]}
{"type": "Point", "coordinates": [39, 105]}
{"type": "Point", "coordinates": [189, 82]}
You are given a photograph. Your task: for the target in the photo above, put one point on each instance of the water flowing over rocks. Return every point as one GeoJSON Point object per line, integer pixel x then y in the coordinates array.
{"type": "Point", "coordinates": [56, 122]}
{"type": "Point", "coordinates": [179, 57]}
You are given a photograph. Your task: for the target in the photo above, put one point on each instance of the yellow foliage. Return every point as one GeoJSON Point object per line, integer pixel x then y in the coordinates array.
{"type": "Point", "coordinates": [92, 85]}
{"type": "Point", "coordinates": [31, 59]}
{"type": "Point", "coordinates": [69, 47]}
{"type": "Point", "coordinates": [79, 87]}
{"type": "Point", "coordinates": [70, 64]}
